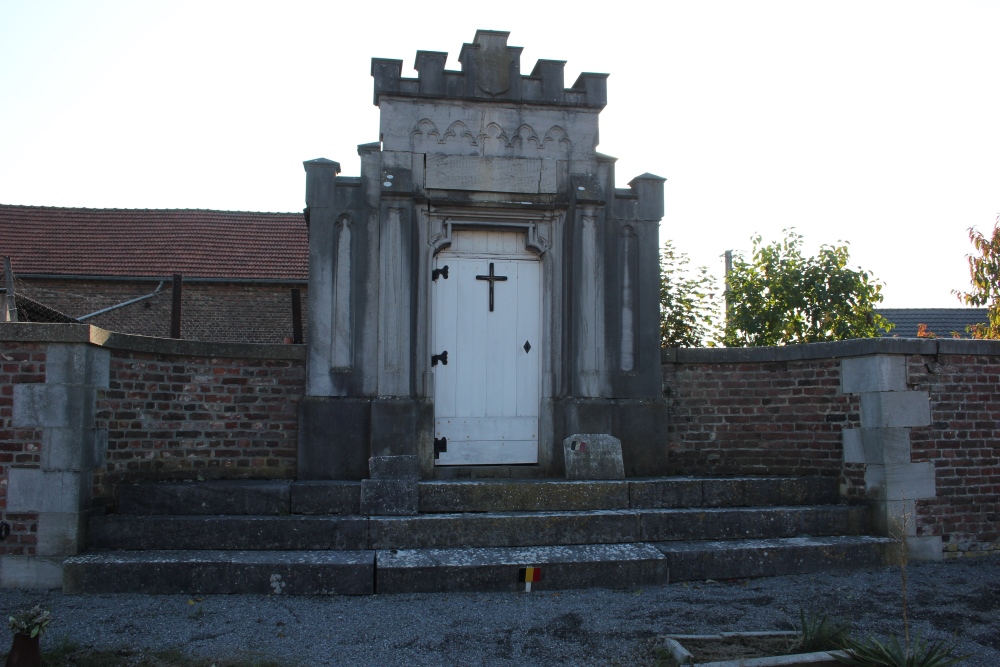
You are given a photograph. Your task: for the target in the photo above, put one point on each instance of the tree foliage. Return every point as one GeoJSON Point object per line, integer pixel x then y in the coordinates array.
{"type": "Point", "coordinates": [689, 302]}
{"type": "Point", "coordinates": [984, 271]}
{"type": "Point", "coordinates": [779, 296]}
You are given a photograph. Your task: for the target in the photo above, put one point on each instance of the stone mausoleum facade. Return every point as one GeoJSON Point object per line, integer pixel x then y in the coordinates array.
{"type": "Point", "coordinates": [482, 290]}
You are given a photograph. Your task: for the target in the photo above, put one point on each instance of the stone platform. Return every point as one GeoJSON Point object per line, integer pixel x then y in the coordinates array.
{"type": "Point", "coordinates": [310, 537]}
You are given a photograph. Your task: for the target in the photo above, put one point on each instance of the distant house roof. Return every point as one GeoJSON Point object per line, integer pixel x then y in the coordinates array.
{"type": "Point", "coordinates": [940, 321]}
{"type": "Point", "coordinates": [43, 240]}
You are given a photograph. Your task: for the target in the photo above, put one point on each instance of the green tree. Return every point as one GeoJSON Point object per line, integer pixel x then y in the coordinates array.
{"type": "Point", "coordinates": [689, 305]}
{"type": "Point", "coordinates": [984, 271]}
{"type": "Point", "coordinates": [779, 296]}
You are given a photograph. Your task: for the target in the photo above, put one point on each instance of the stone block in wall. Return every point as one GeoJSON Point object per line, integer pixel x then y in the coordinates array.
{"type": "Point", "coordinates": [30, 572]}
{"type": "Point", "coordinates": [394, 467]}
{"type": "Point", "coordinates": [60, 533]}
{"type": "Point", "coordinates": [36, 490]}
{"type": "Point", "coordinates": [928, 547]}
{"type": "Point", "coordinates": [876, 445]}
{"type": "Point", "coordinates": [593, 456]}
{"type": "Point", "coordinates": [53, 405]}
{"type": "Point", "coordinates": [77, 364]}
{"type": "Point", "coordinates": [894, 409]}
{"type": "Point", "coordinates": [881, 372]}
{"type": "Point", "coordinates": [910, 481]}
{"type": "Point", "coordinates": [889, 516]}
{"type": "Point", "coordinates": [74, 449]}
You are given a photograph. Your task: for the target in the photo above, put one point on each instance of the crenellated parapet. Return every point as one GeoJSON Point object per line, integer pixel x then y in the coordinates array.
{"type": "Point", "coordinates": [491, 70]}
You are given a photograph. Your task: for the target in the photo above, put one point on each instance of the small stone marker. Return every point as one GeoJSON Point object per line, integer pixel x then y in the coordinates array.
{"type": "Point", "coordinates": [593, 456]}
{"type": "Point", "coordinates": [529, 575]}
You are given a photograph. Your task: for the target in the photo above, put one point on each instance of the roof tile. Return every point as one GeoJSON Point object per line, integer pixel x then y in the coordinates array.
{"type": "Point", "coordinates": [154, 242]}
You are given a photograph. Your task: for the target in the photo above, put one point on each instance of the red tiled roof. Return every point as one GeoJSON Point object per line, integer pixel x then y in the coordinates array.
{"type": "Point", "coordinates": [154, 242]}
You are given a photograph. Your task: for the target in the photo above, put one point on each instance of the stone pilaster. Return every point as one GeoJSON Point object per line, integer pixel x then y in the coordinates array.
{"type": "Point", "coordinates": [893, 481]}
{"type": "Point", "coordinates": [59, 491]}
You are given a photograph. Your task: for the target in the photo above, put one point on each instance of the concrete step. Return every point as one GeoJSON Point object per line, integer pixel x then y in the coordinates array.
{"type": "Point", "coordinates": [363, 572]}
{"type": "Point", "coordinates": [497, 569]}
{"type": "Point", "coordinates": [619, 565]}
{"type": "Point", "coordinates": [658, 493]}
{"type": "Point", "coordinates": [491, 529]}
{"type": "Point", "coordinates": [445, 496]}
{"type": "Point", "coordinates": [222, 572]}
{"type": "Point", "coordinates": [738, 559]}
{"type": "Point", "coordinates": [240, 497]}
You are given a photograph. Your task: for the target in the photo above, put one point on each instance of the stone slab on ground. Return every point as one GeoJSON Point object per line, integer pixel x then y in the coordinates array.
{"type": "Point", "coordinates": [522, 495]}
{"type": "Point", "coordinates": [736, 559]}
{"type": "Point", "coordinates": [593, 456]}
{"type": "Point", "coordinates": [214, 497]}
{"type": "Point", "coordinates": [497, 569]}
{"type": "Point", "coordinates": [222, 572]}
{"type": "Point", "coordinates": [228, 532]}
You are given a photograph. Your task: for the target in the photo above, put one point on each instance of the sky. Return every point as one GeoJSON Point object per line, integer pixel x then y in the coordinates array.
{"type": "Point", "coordinates": [873, 123]}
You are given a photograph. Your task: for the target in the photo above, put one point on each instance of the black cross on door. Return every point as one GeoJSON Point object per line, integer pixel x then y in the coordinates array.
{"type": "Point", "coordinates": [492, 278]}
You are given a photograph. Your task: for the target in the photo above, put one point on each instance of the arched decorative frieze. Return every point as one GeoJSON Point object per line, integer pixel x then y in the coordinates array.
{"type": "Point", "coordinates": [459, 131]}
{"type": "Point", "coordinates": [425, 134]}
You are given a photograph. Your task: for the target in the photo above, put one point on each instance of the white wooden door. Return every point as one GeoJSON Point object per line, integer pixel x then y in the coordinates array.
{"type": "Point", "coordinates": [486, 396]}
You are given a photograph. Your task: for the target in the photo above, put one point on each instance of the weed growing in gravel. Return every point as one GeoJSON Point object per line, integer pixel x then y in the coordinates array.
{"type": "Point", "coordinates": [818, 633]}
{"type": "Point", "coordinates": [871, 652]}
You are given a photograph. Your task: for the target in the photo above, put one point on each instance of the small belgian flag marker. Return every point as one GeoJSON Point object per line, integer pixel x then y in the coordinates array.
{"type": "Point", "coordinates": [529, 575]}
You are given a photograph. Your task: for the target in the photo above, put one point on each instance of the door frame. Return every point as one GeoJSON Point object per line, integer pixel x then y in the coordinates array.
{"type": "Point", "coordinates": [539, 228]}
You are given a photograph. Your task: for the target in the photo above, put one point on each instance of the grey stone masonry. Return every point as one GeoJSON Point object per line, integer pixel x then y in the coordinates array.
{"type": "Point", "coordinates": [491, 70]}
{"type": "Point", "coordinates": [59, 491]}
{"type": "Point", "coordinates": [481, 153]}
{"type": "Point", "coordinates": [893, 482]}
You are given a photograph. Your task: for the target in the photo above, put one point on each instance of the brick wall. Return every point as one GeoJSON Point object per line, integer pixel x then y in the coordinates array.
{"type": "Point", "coordinates": [175, 416]}
{"type": "Point", "coordinates": [20, 363]}
{"type": "Point", "coordinates": [779, 418]}
{"type": "Point", "coordinates": [963, 441]}
{"type": "Point", "coordinates": [238, 312]}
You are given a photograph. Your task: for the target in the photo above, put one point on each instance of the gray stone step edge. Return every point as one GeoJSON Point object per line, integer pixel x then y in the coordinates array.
{"type": "Point", "coordinates": [439, 570]}
{"type": "Point", "coordinates": [283, 497]}
{"type": "Point", "coordinates": [465, 530]}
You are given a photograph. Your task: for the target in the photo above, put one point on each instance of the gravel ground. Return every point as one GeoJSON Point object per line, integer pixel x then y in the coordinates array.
{"type": "Point", "coordinates": [955, 599]}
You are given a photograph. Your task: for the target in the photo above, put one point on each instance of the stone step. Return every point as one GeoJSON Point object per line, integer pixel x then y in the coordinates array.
{"type": "Point", "coordinates": [619, 565]}
{"type": "Point", "coordinates": [656, 493]}
{"type": "Point", "coordinates": [497, 569]}
{"type": "Point", "coordinates": [513, 529]}
{"type": "Point", "coordinates": [462, 569]}
{"type": "Point", "coordinates": [240, 497]}
{"type": "Point", "coordinates": [738, 559]}
{"type": "Point", "coordinates": [221, 572]}
{"type": "Point", "coordinates": [278, 498]}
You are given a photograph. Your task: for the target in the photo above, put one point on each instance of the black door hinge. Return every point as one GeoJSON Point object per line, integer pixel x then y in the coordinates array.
{"type": "Point", "coordinates": [442, 272]}
{"type": "Point", "coordinates": [443, 358]}
{"type": "Point", "coordinates": [440, 445]}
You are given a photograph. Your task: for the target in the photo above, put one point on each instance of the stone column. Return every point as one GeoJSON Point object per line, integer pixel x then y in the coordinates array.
{"type": "Point", "coordinates": [893, 481]}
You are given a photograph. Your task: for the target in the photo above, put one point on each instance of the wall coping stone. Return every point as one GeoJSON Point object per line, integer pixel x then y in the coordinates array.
{"type": "Point", "coordinates": [32, 332]}
{"type": "Point", "coordinates": [840, 349]}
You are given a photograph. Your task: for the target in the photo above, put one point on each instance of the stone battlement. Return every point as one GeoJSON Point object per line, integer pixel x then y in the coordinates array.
{"type": "Point", "coordinates": [491, 71]}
